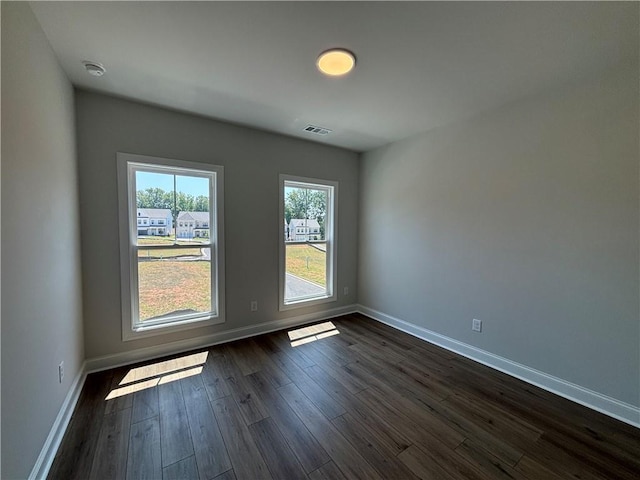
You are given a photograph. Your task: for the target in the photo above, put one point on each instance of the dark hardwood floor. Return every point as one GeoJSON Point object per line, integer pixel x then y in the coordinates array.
{"type": "Point", "coordinates": [360, 400]}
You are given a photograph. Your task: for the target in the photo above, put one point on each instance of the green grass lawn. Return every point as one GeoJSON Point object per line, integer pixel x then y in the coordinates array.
{"type": "Point", "coordinates": [314, 270]}
{"type": "Point", "coordinates": [169, 241]}
{"type": "Point", "coordinates": [170, 286]}
{"type": "Point", "coordinates": [168, 253]}
{"type": "Point", "coordinates": [167, 286]}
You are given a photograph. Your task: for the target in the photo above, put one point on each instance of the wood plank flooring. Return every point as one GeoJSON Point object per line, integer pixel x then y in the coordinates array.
{"type": "Point", "coordinates": [353, 399]}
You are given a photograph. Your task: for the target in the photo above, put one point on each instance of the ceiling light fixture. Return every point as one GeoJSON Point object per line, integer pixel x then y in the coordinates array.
{"type": "Point", "coordinates": [336, 62]}
{"type": "Point", "coordinates": [93, 68]}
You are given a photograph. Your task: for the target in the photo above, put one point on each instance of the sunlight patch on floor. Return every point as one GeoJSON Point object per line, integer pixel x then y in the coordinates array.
{"type": "Point", "coordinates": [159, 373]}
{"type": "Point", "coordinates": [161, 368]}
{"type": "Point", "coordinates": [309, 334]}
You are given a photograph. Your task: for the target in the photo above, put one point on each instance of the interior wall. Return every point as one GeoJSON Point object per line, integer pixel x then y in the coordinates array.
{"type": "Point", "coordinates": [41, 282]}
{"type": "Point", "coordinates": [252, 160]}
{"type": "Point", "coordinates": [526, 218]}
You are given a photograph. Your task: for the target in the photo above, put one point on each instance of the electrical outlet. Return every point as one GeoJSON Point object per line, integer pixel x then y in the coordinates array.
{"type": "Point", "coordinates": [476, 325]}
{"type": "Point", "coordinates": [346, 290]}
{"type": "Point", "coordinates": [60, 372]}
{"type": "Point", "coordinates": [254, 305]}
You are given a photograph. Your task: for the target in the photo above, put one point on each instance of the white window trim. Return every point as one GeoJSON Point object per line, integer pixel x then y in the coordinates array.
{"type": "Point", "coordinates": [128, 234]}
{"type": "Point", "coordinates": [331, 236]}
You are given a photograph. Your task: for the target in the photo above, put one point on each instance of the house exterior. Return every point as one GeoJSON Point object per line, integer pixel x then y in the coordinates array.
{"type": "Point", "coordinates": [192, 225]}
{"type": "Point", "coordinates": [303, 230]}
{"type": "Point", "coordinates": [154, 221]}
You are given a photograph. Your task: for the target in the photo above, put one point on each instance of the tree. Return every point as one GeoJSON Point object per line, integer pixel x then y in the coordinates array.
{"type": "Point", "coordinates": [295, 205]}
{"type": "Point", "coordinates": [201, 203]}
{"type": "Point", "coordinates": [154, 198]}
{"type": "Point", "coordinates": [184, 202]}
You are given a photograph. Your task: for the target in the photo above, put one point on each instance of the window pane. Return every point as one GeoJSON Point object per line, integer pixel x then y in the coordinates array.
{"type": "Point", "coordinates": [192, 204]}
{"type": "Point", "coordinates": [305, 212]}
{"type": "Point", "coordinates": [306, 271]}
{"type": "Point", "coordinates": [173, 282]}
{"type": "Point", "coordinates": [154, 202]}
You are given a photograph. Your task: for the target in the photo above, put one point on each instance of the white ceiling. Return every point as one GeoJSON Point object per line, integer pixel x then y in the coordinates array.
{"type": "Point", "coordinates": [420, 65]}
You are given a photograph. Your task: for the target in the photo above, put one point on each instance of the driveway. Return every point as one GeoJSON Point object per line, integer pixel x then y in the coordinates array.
{"type": "Point", "coordinates": [299, 287]}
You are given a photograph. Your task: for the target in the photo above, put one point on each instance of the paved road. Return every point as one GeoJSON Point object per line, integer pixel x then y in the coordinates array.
{"type": "Point", "coordinates": [320, 246]}
{"type": "Point", "coordinates": [299, 287]}
{"type": "Point", "coordinates": [205, 256]}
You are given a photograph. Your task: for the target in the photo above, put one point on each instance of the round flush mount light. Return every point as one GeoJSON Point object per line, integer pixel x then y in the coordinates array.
{"type": "Point", "coordinates": [336, 62]}
{"type": "Point", "coordinates": [93, 68]}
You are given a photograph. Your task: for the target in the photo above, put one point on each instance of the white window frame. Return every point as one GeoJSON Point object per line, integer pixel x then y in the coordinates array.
{"type": "Point", "coordinates": [128, 164]}
{"type": "Point", "coordinates": [331, 236]}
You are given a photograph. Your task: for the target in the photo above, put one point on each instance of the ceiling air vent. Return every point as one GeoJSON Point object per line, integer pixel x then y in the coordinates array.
{"type": "Point", "coordinates": [317, 130]}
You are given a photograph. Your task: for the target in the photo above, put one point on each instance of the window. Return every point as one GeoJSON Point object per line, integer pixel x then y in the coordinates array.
{"type": "Point", "coordinates": [307, 265]}
{"type": "Point", "coordinates": [169, 283]}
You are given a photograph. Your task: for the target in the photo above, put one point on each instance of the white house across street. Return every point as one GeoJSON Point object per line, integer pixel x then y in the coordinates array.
{"type": "Point", "coordinates": [192, 225]}
{"type": "Point", "coordinates": [303, 230]}
{"type": "Point", "coordinates": [154, 221]}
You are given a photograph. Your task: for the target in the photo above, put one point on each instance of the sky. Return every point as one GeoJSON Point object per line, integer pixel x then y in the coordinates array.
{"type": "Point", "coordinates": [191, 185]}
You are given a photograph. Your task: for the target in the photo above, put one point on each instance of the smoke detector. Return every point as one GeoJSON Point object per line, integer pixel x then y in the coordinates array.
{"type": "Point", "coordinates": [317, 130]}
{"type": "Point", "coordinates": [94, 68]}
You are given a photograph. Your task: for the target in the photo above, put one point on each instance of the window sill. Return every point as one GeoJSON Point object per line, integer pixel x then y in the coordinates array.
{"type": "Point", "coordinates": [307, 302]}
{"type": "Point", "coordinates": [144, 331]}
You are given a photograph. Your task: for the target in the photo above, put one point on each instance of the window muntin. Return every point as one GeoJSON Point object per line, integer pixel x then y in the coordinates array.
{"type": "Point", "coordinates": [307, 248]}
{"type": "Point", "coordinates": [169, 283]}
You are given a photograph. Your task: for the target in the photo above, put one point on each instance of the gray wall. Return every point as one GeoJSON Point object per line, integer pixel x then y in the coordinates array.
{"type": "Point", "coordinates": [41, 284]}
{"type": "Point", "coordinates": [252, 160]}
{"type": "Point", "coordinates": [525, 217]}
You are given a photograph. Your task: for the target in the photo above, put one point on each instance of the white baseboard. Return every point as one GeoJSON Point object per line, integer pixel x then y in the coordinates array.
{"type": "Point", "coordinates": [149, 353]}
{"type": "Point", "coordinates": [597, 401]}
{"type": "Point", "coordinates": [50, 448]}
